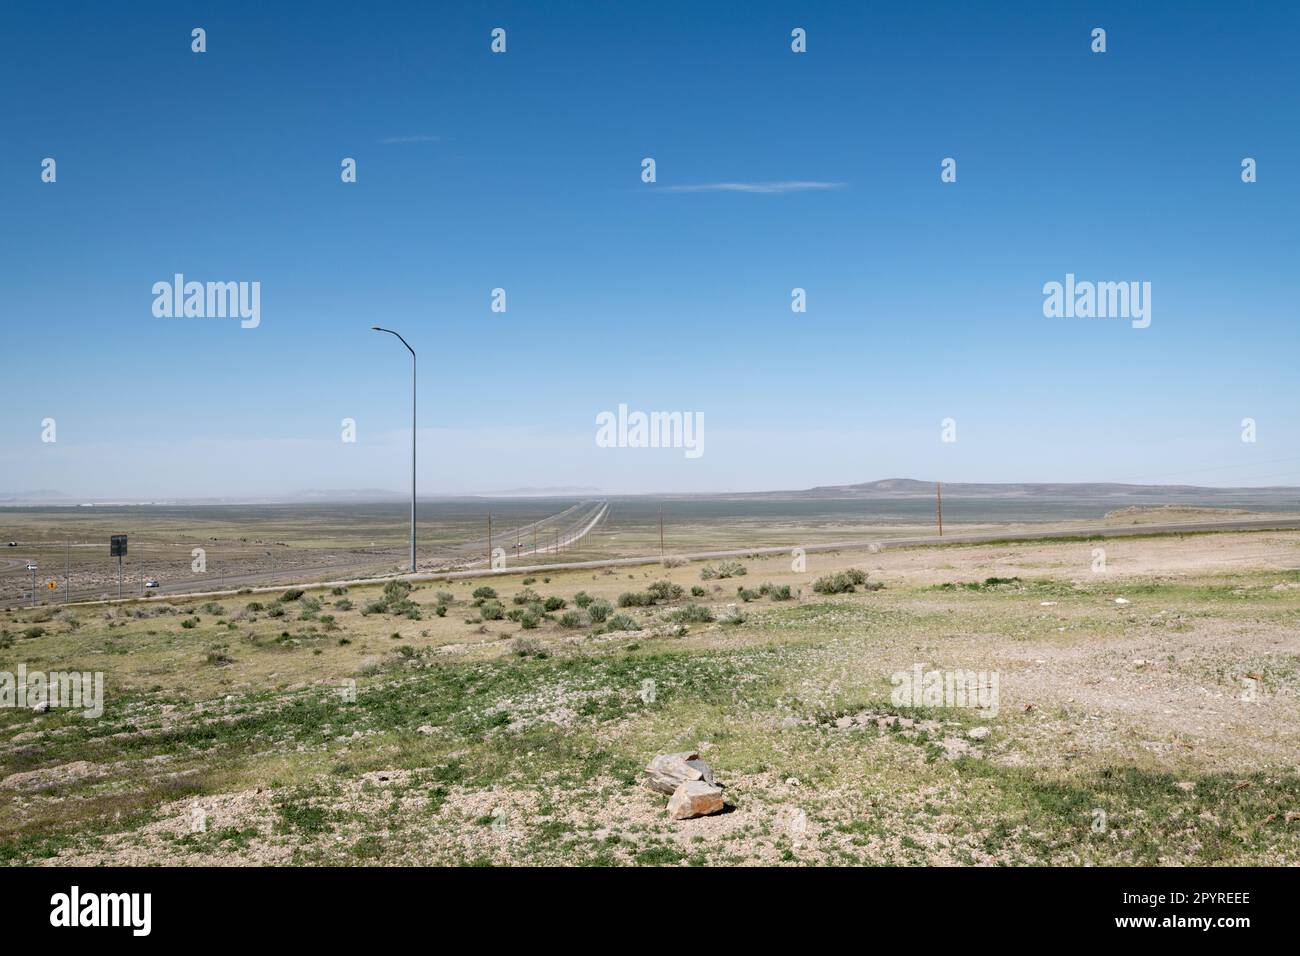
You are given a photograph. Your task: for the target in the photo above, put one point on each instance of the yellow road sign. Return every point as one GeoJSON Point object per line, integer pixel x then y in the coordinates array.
{"type": "Point", "coordinates": [53, 586]}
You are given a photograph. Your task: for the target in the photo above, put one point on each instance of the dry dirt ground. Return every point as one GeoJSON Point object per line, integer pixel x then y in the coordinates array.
{"type": "Point", "coordinates": [1146, 712]}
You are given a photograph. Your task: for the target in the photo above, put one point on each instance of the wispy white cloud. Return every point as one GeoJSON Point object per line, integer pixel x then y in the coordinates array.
{"type": "Point", "coordinates": [421, 138]}
{"type": "Point", "coordinates": [790, 186]}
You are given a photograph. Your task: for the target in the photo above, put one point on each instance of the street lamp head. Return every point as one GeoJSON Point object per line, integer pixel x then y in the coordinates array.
{"type": "Point", "coordinates": [375, 328]}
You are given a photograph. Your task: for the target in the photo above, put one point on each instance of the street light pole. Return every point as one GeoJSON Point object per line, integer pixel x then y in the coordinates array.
{"type": "Point", "coordinates": [412, 351]}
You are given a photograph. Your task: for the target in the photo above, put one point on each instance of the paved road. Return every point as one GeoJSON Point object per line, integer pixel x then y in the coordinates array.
{"type": "Point", "coordinates": [586, 521]}
{"type": "Point", "coordinates": [582, 516]}
{"type": "Point", "coordinates": [883, 544]}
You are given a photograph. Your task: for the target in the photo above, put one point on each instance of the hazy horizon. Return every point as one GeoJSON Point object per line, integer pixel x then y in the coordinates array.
{"type": "Point", "coordinates": [55, 496]}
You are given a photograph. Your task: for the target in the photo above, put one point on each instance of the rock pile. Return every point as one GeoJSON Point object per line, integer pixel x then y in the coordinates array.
{"type": "Point", "coordinates": [689, 782]}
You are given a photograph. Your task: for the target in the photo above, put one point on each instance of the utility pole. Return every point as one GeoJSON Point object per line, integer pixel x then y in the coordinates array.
{"type": "Point", "coordinates": [67, 573]}
{"type": "Point", "coordinates": [489, 540]}
{"type": "Point", "coordinates": [938, 502]}
{"type": "Point", "coordinates": [377, 328]}
{"type": "Point", "coordinates": [661, 532]}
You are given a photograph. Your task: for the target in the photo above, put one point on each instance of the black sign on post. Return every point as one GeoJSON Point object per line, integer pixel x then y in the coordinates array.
{"type": "Point", "coordinates": [117, 549]}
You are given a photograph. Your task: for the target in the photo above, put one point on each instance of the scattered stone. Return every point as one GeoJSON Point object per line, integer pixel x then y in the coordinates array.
{"type": "Point", "coordinates": [1121, 600]}
{"type": "Point", "coordinates": [425, 729]}
{"type": "Point", "coordinates": [798, 825]}
{"type": "Point", "coordinates": [978, 733]}
{"type": "Point", "coordinates": [954, 747]}
{"type": "Point", "coordinates": [695, 798]}
{"type": "Point", "coordinates": [63, 775]}
{"type": "Point", "coordinates": [886, 721]}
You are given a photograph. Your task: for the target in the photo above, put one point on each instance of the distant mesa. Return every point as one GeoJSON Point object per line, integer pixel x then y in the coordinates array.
{"type": "Point", "coordinates": [912, 488]}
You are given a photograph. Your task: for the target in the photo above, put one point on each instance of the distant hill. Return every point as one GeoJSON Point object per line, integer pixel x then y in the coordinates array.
{"type": "Point", "coordinates": [912, 488]}
{"type": "Point", "coordinates": [22, 497]}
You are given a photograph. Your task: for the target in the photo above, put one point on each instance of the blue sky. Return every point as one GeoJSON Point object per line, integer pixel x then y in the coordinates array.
{"type": "Point", "coordinates": [522, 171]}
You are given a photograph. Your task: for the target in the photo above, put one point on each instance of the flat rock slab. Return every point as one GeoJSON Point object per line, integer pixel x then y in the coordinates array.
{"type": "Point", "coordinates": [695, 798]}
{"type": "Point", "coordinates": [665, 773]}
